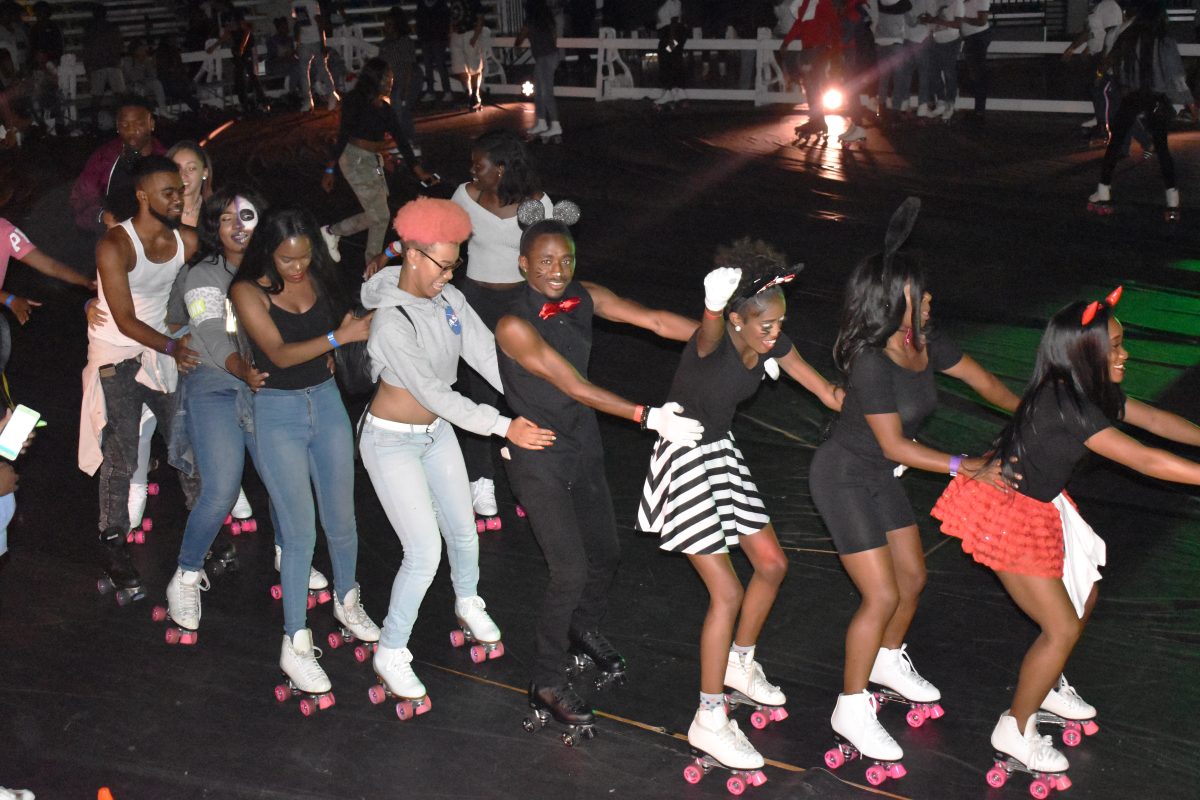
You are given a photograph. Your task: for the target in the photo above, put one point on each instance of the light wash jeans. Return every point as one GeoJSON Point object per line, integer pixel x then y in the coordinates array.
{"type": "Point", "coordinates": [919, 57]}
{"type": "Point", "coordinates": [422, 485]}
{"type": "Point", "coordinates": [304, 442]}
{"type": "Point", "coordinates": [945, 70]}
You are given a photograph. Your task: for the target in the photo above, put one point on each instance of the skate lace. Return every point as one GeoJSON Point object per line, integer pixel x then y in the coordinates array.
{"type": "Point", "coordinates": [189, 596]}
{"type": "Point", "coordinates": [570, 699]}
{"type": "Point", "coordinates": [875, 731]}
{"type": "Point", "coordinates": [906, 665]}
{"type": "Point", "coordinates": [309, 667]}
{"type": "Point", "coordinates": [473, 613]}
{"type": "Point", "coordinates": [354, 613]}
{"type": "Point", "coordinates": [597, 644]}
{"type": "Point", "coordinates": [1041, 750]}
{"type": "Point", "coordinates": [758, 680]}
{"type": "Point", "coordinates": [732, 735]}
{"type": "Point", "coordinates": [1067, 693]}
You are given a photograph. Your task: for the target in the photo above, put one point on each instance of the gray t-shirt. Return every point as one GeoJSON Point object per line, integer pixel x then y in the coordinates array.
{"type": "Point", "coordinates": [199, 301]}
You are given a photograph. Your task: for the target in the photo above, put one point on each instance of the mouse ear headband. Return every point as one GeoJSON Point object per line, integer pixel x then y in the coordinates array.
{"type": "Point", "coordinates": [532, 211]}
{"type": "Point", "coordinates": [900, 227]}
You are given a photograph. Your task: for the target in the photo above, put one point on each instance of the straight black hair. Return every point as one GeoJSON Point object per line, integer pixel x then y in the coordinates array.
{"type": "Point", "coordinates": [874, 306]}
{"type": "Point", "coordinates": [273, 228]}
{"type": "Point", "coordinates": [209, 229]}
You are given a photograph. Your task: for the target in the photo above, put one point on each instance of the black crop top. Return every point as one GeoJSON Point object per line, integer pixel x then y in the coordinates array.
{"type": "Point", "coordinates": [879, 385]}
{"type": "Point", "coordinates": [362, 119]}
{"type": "Point", "coordinates": [1053, 443]}
{"type": "Point", "coordinates": [317, 321]}
{"type": "Point", "coordinates": [710, 388]}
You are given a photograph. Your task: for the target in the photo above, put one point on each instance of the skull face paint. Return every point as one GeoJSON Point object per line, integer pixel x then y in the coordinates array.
{"type": "Point", "coordinates": [246, 219]}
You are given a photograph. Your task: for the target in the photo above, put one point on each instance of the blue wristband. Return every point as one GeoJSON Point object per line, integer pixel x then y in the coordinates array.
{"type": "Point", "coordinates": [390, 250]}
{"type": "Point", "coordinates": [9, 299]}
{"type": "Point", "coordinates": [329, 170]}
{"type": "Point", "coordinates": [332, 340]}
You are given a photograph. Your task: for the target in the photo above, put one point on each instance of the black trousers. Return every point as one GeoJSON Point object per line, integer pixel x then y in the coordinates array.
{"type": "Point", "coordinates": [1158, 112]}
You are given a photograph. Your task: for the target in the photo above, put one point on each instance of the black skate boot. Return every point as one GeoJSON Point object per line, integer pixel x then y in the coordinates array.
{"type": "Point", "coordinates": [590, 648]}
{"type": "Point", "coordinates": [566, 707]}
{"type": "Point", "coordinates": [222, 557]}
{"type": "Point", "coordinates": [120, 576]}
{"type": "Point", "coordinates": [813, 130]}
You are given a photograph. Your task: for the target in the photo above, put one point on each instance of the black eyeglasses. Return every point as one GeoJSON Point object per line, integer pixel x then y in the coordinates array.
{"type": "Point", "coordinates": [457, 263]}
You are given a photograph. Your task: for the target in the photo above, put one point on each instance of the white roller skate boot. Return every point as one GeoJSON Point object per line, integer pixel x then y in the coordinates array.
{"type": "Point", "coordinates": [331, 242]}
{"type": "Point", "coordinates": [393, 668]}
{"type": "Point", "coordinates": [713, 733]}
{"type": "Point", "coordinates": [183, 598]}
{"type": "Point", "coordinates": [483, 497]}
{"type": "Point", "coordinates": [1066, 709]}
{"type": "Point", "coordinates": [1100, 201]}
{"type": "Point", "coordinates": [355, 625]}
{"type": "Point", "coordinates": [1033, 751]}
{"type": "Point", "coordinates": [553, 133]}
{"type": "Point", "coordinates": [859, 733]}
{"type": "Point", "coordinates": [304, 676]}
{"type": "Point", "coordinates": [1171, 212]}
{"type": "Point", "coordinates": [745, 677]}
{"type": "Point", "coordinates": [476, 626]}
{"type": "Point", "coordinates": [667, 96]}
{"type": "Point", "coordinates": [854, 134]}
{"type": "Point", "coordinates": [242, 509]}
{"type": "Point", "coordinates": [318, 584]}
{"type": "Point", "coordinates": [538, 127]}
{"type": "Point", "coordinates": [893, 670]}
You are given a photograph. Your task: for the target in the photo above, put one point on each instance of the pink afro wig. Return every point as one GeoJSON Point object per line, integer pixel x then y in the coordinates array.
{"type": "Point", "coordinates": [431, 221]}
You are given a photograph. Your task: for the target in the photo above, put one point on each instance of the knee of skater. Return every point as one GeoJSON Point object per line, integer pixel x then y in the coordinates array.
{"type": "Point", "coordinates": [911, 584]}
{"type": "Point", "coordinates": [774, 570]}
{"type": "Point", "coordinates": [1066, 633]}
{"type": "Point", "coordinates": [881, 602]}
{"type": "Point", "coordinates": [421, 563]}
{"type": "Point", "coordinates": [728, 597]}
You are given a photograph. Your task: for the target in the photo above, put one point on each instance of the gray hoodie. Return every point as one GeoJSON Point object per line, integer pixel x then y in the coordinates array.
{"type": "Point", "coordinates": [420, 353]}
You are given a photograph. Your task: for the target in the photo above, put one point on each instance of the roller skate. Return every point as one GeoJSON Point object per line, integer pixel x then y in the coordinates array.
{"type": "Point", "coordinates": [538, 128]}
{"type": "Point", "coordinates": [241, 519]}
{"type": "Point", "coordinates": [814, 131]}
{"type": "Point", "coordinates": [120, 576]}
{"type": "Point", "coordinates": [855, 133]}
{"type": "Point", "coordinates": [566, 707]}
{"type": "Point", "coordinates": [1171, 212]}
{"type": "Point", "coordinates": [222, 557]}
{"type": "Point", "coordinates": [859, 734]}
{"type": "Point", "coordinates": [483, 500]}
{"type": "Point", "coordinates": [183, 606]}
{"type": "Point", "coordinates": [898, 682]}
{"type": "Point", "coordinates": [1100, 201]}
{"type": "Point", "coordinates": [745, 677]}
{"type": "Point", "coordinates": [716, 741]}
{"type": "Point", "coordinates": [474, 625]}
{"type": "Point", "coordinates": [355, 625]}
{"type": "Point", "coordinates": [138, 496]}
{"type": "Point", "coordinates": [393, 669]}
{"type": "Point", "coordinates": [137, 535]}
{"type": "Point", "coordinates": [1029, 753]}
{"type": "Point", "coordinates": [302, 675]}
{"type": "Point", "coordinates": [590, 649]}
{"type": "Point", "coordinates": [553, 135]}
{"type": "Point", "coordinates": [318, 585]}
{"type": "Point", "coordinates": [332, 242]}
{"type": "Point", "coordinates": [1066, 709]}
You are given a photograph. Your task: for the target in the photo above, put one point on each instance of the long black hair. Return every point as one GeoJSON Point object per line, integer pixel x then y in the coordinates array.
{"type": "Point", "coordinates": [273, 228]}
{"type": "Point", "coordinates": [1072, 363]}
{"type": "Point", "coordinates": [874, 305]}
{"type": "Point", "coordinates": [209, 229]}
{"type": "Point", "coordinates": [370, 78]}
{"type": "Point", "coordinates": [505, 149]}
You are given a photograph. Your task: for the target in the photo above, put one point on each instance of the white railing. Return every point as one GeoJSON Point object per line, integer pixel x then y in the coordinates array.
{"type": "Point", "coordinates": [614, 79]}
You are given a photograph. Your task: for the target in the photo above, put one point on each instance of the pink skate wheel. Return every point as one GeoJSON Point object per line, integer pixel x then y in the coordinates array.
{"type": "Point", "coordinates": [497, 651]}
{"type": "Point", "coordinates": [896, 771]}
{"type": "Point", "coordinates": [1062, 783]}
{"type": "Point", "coordinates": [457, 638]}
{"type": "Point", "coordinates": [311, 602]}
{"type": "Point", "coordinates": [147, 524]}
{"type": "Point", "coordinates": [282, 693]}
{"type": "Point", "coordinates": [404, 710]}
{"type": "Point", "coordinates": [936, 711]}
{"type": "Point", "coordinates": [834, 758]}
{"type": "Point", "coordinates": [914, 718]}
{"type": "Point", "coordinates": [735, 785]}
{"type": "Point", "coordinates": [1040, 789]}
{"type": "Point", "coordinates": [521, 511]}
{"type": "Point", "coordinates": [778, 714]}
{"type": "Point", "coordinates": [228, 518]}
{"type": "Point", "coordinates": [424, 706]}
{"type": "Point", "coordinates": [324, 596]}
{"type": "Point", "coordinates": [327, 700]}
{"type": "Point", "coordinates": [361, 653]}
{"type": "Point", "coordinates": [757, 778]}
{"type": "Point", "coordinates": [152, 489]}
{"type": "Point", "coordinates": [335, 641]}
{"type": "Point", "coordinates": [759, 720]}
{"type": "Point", "coordinates": [494, 523]}
{"type": "Point", "coordinates": [158, 614]}
{"type": "Point", "coordinates": [478, 654]}
{"type": "Point", "coordinates": [997, 777]}
{"type": "Point", "coordinates": [876, 775]}
{"type": "Point", "coordinates": [308, 707]}
{"type": "Point", "coordinates": [123, 598]}
{"type": "Point", "coordinates": [377, 694]}
{"type": "Point", "coordinates": [480, 526]}
{"type": "Point", "coordinates": [277, 592]}
{"type": "Point", "coordinates": [249, 525]}
{"type": "Point", "coordinates": [1090, 727]}
{"type": "Point", "coordinates": [172, 636]}
{"type": "Point", "coordinates": [139, 537]}
{"type": "Point", "coordinates": [1071, 737]}
{"type": "Point", "coordinates": [235, 528]}
{"type": "Point", "coordinates": [189, 638]}
{"type": "Point", "coordinates": [692, 773]}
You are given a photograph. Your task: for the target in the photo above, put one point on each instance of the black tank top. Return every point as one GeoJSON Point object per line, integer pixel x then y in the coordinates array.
{"type": "Point", "coordinates": [569, 333]}
{"type": "Point", "coordinates": [317, 321]}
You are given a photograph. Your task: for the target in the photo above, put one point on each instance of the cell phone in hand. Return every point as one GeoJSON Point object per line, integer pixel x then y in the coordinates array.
{"type": "Point", "coordinates": [19, 426]}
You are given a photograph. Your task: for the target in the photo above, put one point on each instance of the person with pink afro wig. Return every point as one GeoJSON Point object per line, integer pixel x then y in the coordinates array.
{"type": "Point", "coordinates": [421, 328]}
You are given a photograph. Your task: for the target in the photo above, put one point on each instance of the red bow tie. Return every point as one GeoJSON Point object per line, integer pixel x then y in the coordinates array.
{"type": "Point", "coordinates": [561, 307]}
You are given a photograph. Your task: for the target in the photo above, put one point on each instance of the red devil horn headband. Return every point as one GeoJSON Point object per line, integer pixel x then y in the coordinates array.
{"type": "Point", "coordinates": [1111, 301]}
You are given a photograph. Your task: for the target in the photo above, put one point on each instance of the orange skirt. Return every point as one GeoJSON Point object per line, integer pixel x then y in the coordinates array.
{"type": "Point", "coordinates": [1003, 531]}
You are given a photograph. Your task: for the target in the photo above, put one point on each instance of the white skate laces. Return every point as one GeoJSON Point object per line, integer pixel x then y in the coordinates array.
{"type": "Point", "coordinates": [745, 674]}
{"type": "Point", "coordinates": [1065, 702]}
{"type": "Point", "coordinates": [354, 617]}
{"type": "Point", "coordinates": [894, 669]}
{"type": "Point", "coordinates": [298, 660]}
{"type": "Point", "coordinates": [183, 597]}
{"type": "Point", "coordinates": [394, 665]}
{"type": "Point", "coordinates": [483, 497]}
{"type": "Point", "coordinates": [713, 732]}
{"type": "Point", "coordinates": [472, 616]}
{"type": "Point", "coordinates": [854, 719]}
{"type": "Point", "coordinates": [1030, 748]}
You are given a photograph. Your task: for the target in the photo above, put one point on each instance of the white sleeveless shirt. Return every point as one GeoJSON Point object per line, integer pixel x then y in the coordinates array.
{"type": "Point", "coordinates": [150, 285]}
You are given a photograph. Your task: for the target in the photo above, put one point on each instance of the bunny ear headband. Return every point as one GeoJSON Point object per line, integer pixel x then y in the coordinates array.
{"type": "Point", "coordinates": [532, 211]}
{"type": "Point", "coordinates": [900, 227]}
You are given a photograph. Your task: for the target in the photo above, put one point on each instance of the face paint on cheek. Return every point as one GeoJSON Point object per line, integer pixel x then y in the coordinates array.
{"type": "Point", "coordinates": [247, 214]}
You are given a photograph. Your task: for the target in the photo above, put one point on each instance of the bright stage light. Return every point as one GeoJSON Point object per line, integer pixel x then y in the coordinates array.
{"type": "Point", "coordinates": [527, 88]}
{"type": "Point", "coordinates": [832, 100]}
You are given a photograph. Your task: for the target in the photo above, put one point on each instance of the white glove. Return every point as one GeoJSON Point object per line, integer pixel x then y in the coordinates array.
{"type": "Point", "coordinates": [771, 368]}
{"type": "Point", "coordinates": [672, 427]}
{"type": "Point", "coordinates": [719, 286]}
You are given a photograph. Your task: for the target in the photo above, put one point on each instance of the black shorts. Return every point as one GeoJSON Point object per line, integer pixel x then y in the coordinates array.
{"type": "Point", "coordinates": [859, 501]}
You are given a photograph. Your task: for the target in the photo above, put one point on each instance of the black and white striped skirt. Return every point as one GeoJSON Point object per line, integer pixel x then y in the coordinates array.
{"type": "Point", "coordinates": [700, 499]}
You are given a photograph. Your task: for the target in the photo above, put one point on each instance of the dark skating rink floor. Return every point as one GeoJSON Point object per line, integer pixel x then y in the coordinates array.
{"type": "Point", "coordinates": [91, 696]}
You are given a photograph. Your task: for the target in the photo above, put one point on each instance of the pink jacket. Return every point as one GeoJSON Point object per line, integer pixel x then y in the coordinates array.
{"type": "Point", "coordinates": [91, 187]}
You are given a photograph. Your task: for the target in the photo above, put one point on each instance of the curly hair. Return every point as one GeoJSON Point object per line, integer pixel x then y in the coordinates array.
{"type": "Point", "coordinates": [505, 149]}
{"type": "Point", "coordinates": [428, 220]}
{"type": "Point", "coordinates": [759, 262]}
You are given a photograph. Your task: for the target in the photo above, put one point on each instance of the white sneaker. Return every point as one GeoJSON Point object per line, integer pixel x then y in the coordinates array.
{"type": "Point", "coordinates": [894, 670]}
{"type": "Point", "coordinates": [16, 794]}
{"type": "Point", "coordinates": [331, 242]}
{"type": "Point", "coordinates": [241, 509]}
{"type": "Point", "coordinates": [667, 96]}
{"type": "Point", "coordinates": [854, 719]}
{"type": "Point", "coordinates": [678, 95]}
{"type": "Point", "coordinates": [394, 665]}
{"type": "Point", "coordinates": [353, 617]}
{"type": "Point", "coordinates": [555, 129]}
{"type": "Point", "coordinates": [538, 127]}
{"type": "Point", "coordinates": [1065, 702]}
{"type": "Point", "coordinates": [183, 597]}
{"type": "Point", "coordinates": [714, 733]}
{"type": "Point", "coordinates": [298, 660]}
{"type": "Point", "coordinates": [745, 674]}
{"type": "Point", "coordinates": [1032, 750]}
{"type": "Point", "coordinates": [854, 134]}
{"type": "Point", "coordinates": [428, 97]}
{"type": "Point", "coordinates": [1103, 194]}
{"type": "Point", "coordinates": [471, 615]}
{"type": "Point", "coordinates": [923, 110]}
{"type": "Point", "coordinates": [316, 580]}
{"type": "Point", "coordinates": [483, 497]}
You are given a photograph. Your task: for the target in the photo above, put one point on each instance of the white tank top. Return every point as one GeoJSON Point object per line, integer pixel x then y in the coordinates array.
{"type": "Point", "coordinates": [150, 284]}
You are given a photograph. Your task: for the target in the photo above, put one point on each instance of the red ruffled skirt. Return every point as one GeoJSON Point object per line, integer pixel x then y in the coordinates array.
{"type": "Point", "coordinates": [1003, 530]}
